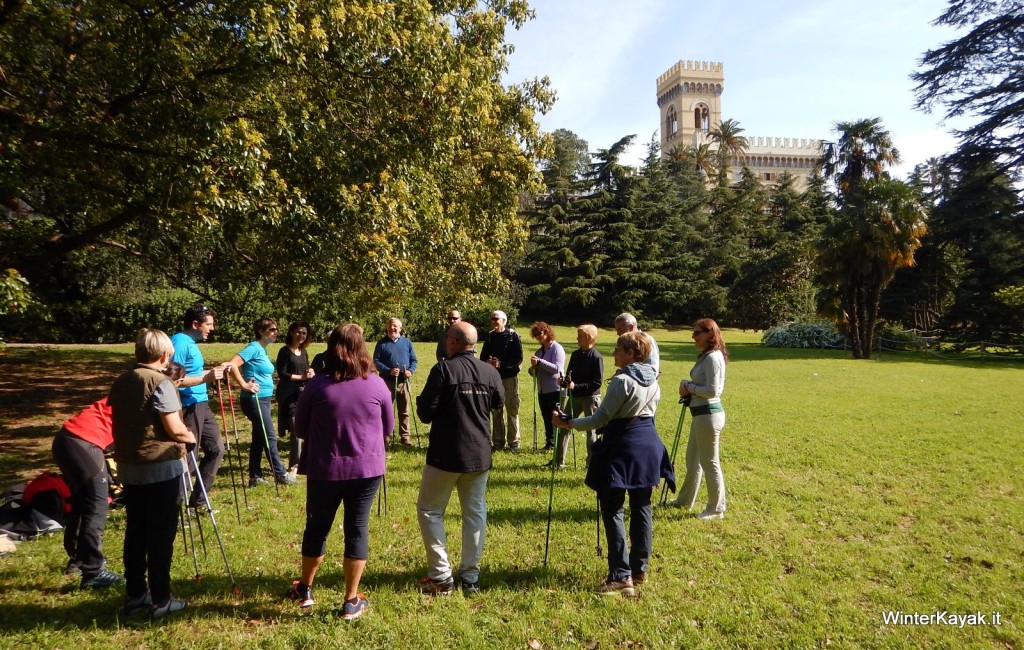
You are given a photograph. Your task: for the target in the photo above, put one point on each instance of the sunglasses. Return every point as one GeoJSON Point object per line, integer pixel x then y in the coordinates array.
{"type": "Point", "coordinates": [696, 332]}
{"type": "Point", "coordinates": [272, 329]}
{"type": "Point", "coordinates": [495, 318]}
{"type": "Point", "coordinates": [452, 319]}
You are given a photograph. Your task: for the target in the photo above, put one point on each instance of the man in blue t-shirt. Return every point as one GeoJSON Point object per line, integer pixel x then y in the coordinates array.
{"type": "Point", "coordinates": [197, 324]}
{"type": "Point", "coordinates": [396, 361]}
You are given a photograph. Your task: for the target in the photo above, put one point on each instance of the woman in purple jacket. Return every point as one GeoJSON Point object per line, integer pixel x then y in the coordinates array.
{"type": "Point", "coordinates": [343, 416]}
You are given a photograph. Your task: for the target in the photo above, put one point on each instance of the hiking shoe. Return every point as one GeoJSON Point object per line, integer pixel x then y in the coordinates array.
{"type": "Point", "coordinates": [469, 588]}
{"type": "Point", "coordinates": [639, 579]}
{"type": "Point", "coordinates": [172, 605]}
{"type": "Point", "coordinates": [102, 580]}
{"type": "Point", "coordinates": [711, 515]}
{"type": "Point", "coordinates": [286, 479]}
{"type": "Point", "coordinates": [133, 606]}
{"type": "Point", "coordinates": [514, 447]}
{"type": "Point", "coordinates": [257, 480]}
{"type": "Point", "coordinates": [353, 609]}
{"type": "Point", "coordinates": [434, 587]}
{"type": "Point", "coordinates": [72, 569]}
{"type": "Point", "coordinates": [302, 594]}
{"type": "Point", "coordinates": [617, 588]}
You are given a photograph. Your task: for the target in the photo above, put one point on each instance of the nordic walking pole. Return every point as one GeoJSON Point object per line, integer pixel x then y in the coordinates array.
{"type": "Point", "coordinates": [535, 411]}
{"type": "Point", "coordinates": [598, 525]}
{"type": "Point", "coordinates": [234, 430]}
{"type": "Point", "coordinates": [383, 490]}
{"type": "Point", "coordinates": [266, 442]}
{"type": "Point", "coordinates": [184, 514]}
{"type": "Point", "coordinates": [568, 401]}
{"type": "Point", "coordinates": [216, 531]}
{"type": "Point", "coordinates": [227, 448]}
{"type": "Point", "coordinates": [551, 495]}
{"type": "Point", "coordinates": [394, 404]}
{"type": "Point", "coordinates": [195, 511]}
{"type": "Point", "coordinates": [675, 446]}
{"type": "Point", "coordinates": [415, 419]}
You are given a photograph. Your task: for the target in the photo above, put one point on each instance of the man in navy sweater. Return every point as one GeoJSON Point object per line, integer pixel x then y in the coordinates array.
{"type": "Point", "coordinates": [396, 362]}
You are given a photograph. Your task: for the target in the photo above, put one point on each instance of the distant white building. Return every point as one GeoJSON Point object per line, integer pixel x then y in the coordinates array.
{"type": "Point", "coordinates": [690, 101]}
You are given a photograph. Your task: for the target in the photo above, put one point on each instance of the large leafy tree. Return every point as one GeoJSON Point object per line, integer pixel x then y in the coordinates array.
{"type": "Point", "coordinates": [330, 151]}
{"type": "Point", "coordinates": [980, 75]}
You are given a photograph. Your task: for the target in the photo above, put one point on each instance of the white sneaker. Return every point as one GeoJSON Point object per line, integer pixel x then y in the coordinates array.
{"type": "Point", "coordinates": [711, 515]}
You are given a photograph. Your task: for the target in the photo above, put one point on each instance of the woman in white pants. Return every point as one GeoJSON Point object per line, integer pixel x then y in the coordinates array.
{"type": "Point", "coordinates": [705, 388]}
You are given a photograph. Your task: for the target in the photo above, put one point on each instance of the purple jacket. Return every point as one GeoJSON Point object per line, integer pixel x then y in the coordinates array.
{"type": "Point", "coordinates": [344, 424]}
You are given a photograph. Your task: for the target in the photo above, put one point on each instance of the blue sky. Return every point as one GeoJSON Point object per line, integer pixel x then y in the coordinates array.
{"type": "Point", "coordinates": [792, 68]}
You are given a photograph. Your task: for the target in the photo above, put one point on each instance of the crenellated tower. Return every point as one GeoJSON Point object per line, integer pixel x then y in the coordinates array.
{"type": "Point", "coordinates": [690, 99]}
{"type": "Point", "coordinates": [690, 102]}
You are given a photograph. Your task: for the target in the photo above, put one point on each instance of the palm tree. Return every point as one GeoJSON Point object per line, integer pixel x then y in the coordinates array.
{"type": "Point", "coordinates": [730, 145]}
{"type": "Point", "coordinates": [863, 152]}
{"type": "Point", "coordinates": [875, 234]}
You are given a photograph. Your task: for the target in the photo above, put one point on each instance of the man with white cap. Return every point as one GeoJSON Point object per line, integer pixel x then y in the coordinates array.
{"type": "Point", "coordinates": [503, 349]}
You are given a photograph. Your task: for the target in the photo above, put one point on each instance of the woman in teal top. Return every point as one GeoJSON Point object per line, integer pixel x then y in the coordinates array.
{"type": "Point", "coordinates": [253, 370]}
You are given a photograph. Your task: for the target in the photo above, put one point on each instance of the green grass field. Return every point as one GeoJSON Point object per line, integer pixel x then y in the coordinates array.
{"type": "Point", "coordinates": [855, 488]}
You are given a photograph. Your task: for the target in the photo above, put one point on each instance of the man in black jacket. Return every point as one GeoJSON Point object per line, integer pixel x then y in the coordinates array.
{"type": "Point", "coordinates": [503, 349]}
{"type": "Point", "coordinates": [456, 400]}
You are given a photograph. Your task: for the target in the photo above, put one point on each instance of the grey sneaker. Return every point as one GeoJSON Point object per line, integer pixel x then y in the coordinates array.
{"type": "Point", "coordinates": [469, 588]}
{"type": "Point", "coordinates": [286, 479]}
{"type": "Point", "coordinates": [133, 606]}
{"type": "Point", "coordinates": [72, 569]}
{"type": "Point", "coordinates": [172, 605]}
{"type": "Point", "coordinates": [257, 480]}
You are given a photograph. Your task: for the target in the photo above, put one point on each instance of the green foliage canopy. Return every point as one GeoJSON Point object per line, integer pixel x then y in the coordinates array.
{"type": "Point", "coordinates": [347, 153]}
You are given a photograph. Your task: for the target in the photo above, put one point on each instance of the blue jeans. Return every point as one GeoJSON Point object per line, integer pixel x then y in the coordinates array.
{"type": "Point", "coordinates": [263, 436]}
{"type": "Point", "coordinates": [623, 564]}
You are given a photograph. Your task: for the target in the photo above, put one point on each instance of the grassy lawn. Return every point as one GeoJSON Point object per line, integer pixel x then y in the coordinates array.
{"type": "Point", "coordinates": [855, 488]}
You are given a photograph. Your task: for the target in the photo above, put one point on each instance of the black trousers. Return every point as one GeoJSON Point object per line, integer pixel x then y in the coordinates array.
{"type": "Point", "coordinates": [152, 518]}
{"type": "Point", "coordinates": [200, 420]}
{"type": "Point", "coordinates": [84, 470]}
{"type": "Point", "coordinates": [547, 403]}
{"type": "Point", "coordinates": [322, 501]}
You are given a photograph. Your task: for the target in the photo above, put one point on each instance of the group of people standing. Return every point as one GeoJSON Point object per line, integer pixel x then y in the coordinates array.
{"type": "Point", "coordinates": [339, 410]}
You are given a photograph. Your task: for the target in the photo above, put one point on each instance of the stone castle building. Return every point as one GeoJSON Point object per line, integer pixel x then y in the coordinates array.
{"type": "Point", "coordinates": [690, 101]}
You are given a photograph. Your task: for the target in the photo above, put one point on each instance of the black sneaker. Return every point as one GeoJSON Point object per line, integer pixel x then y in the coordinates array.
{"type": "Point", "coordinates": [514, 447]}
{"type": "Point", "coordinates": [133, 606]}
{"type": "Point", "coordinates": [102, 580]}
{"type": "Point", "coordinates": [469, 588]}
{"type": "Point", "coordinates": [301, 594]}
{"type": "Point", "coordinates": [434, 587]}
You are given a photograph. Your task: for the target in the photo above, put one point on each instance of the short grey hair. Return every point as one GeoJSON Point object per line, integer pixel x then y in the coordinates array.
{"type": "Point", "coordinates": [626, 318]}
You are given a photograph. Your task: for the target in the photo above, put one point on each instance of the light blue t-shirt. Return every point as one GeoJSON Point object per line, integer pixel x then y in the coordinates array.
{"type": "Point", "coordinates": [259, 367]}
{"type": "Point", "coordinates": [187, 353]}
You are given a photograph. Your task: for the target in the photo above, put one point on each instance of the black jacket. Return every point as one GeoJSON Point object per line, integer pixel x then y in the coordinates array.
{"type": "Point", "coordinates": [587, 370]}
{"type": "Point", "coordinates": [507, 348]}
{"type": "Point", "coordinates": [456, 402]}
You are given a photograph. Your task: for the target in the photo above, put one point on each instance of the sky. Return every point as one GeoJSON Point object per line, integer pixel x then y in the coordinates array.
{"type": "Point", "coordinates": [792, 67]}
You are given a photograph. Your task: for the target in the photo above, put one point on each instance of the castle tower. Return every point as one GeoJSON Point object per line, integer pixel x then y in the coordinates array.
{"type": "Point", "coordinates": [690, 99]}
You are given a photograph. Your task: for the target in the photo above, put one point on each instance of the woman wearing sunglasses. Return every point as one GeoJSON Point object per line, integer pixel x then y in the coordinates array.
{"type": "Point", "coordinates": [705, 388]}
{"type": "Point", "coordinates": [253, 370]}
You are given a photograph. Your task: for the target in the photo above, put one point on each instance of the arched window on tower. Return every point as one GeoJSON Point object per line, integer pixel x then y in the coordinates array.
{"type": "Point", "coordinates": [701, 118]}
{"type": "Point", "coordinates": [671, 123]}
